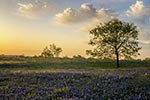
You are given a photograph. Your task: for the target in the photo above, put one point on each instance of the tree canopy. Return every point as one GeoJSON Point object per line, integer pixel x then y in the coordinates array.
{"type": "Point", "coordinates": [114, 39]}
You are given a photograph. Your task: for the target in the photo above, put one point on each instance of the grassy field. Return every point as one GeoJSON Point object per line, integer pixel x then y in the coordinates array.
{"type": "Point", "coordinates": [21, 62]}
{"type": "Point", "coordinates": [28, 78]}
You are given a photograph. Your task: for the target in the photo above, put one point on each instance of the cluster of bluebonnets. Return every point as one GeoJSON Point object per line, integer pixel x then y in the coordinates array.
{"type": "Point", "coordinates": [131, 85]}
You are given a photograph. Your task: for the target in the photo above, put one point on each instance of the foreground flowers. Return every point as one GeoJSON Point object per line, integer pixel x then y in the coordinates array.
{"type": "Point", "coordinates": [135, 85]}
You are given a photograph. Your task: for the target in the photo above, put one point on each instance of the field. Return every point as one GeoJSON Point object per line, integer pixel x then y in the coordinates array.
{"type": "Point", "coordinates": [28, 78]}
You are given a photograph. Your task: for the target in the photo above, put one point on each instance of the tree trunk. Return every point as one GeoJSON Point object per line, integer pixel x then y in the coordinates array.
{"type": "Point", "coordinates": [117, 57]}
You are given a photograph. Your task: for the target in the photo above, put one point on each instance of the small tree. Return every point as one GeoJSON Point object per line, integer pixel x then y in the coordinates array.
{"type": "Point", "coordinates": [51, 51]}
{"type": "Point", "coordinates": [114, 39]}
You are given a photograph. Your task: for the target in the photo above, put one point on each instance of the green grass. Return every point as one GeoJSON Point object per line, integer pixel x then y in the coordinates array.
{"type": "Point", "coordinates": [31, 63]}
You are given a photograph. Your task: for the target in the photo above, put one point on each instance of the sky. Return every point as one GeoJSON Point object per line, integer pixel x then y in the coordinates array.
{"type": "Point", "coordinates": [27, 26]}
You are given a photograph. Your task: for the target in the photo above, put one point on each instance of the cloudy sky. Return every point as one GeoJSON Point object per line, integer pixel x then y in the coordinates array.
{"type": "Point", "coordinates": [27, 26]}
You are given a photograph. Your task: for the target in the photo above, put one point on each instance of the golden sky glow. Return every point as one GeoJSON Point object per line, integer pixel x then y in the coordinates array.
{"type": "Point", "coordinates": [26, 26]}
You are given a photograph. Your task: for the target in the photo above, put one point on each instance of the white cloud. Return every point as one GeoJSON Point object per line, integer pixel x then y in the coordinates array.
{"type": "Point", "coordinates": [86, 12]}
{"type": "Point", "coordinates": [103, 15]}
{"type": "Point", "coordinates": [139, 14]}
{"type": "Point", "coordinates": [34, 9]}
{"type": "Point", "coordinates": [138, 9]}
{"type": "Point", "coordinates": [70, 15]}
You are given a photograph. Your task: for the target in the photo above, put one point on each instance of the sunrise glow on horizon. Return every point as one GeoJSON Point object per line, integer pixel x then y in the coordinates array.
{"type": "Point", "coordinates": [27, 26]}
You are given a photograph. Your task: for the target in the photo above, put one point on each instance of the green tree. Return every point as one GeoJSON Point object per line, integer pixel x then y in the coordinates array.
{"type": "Point", "coordinates": [51, 51]}
{"type": "Point", "coordinates": [114, 39]}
